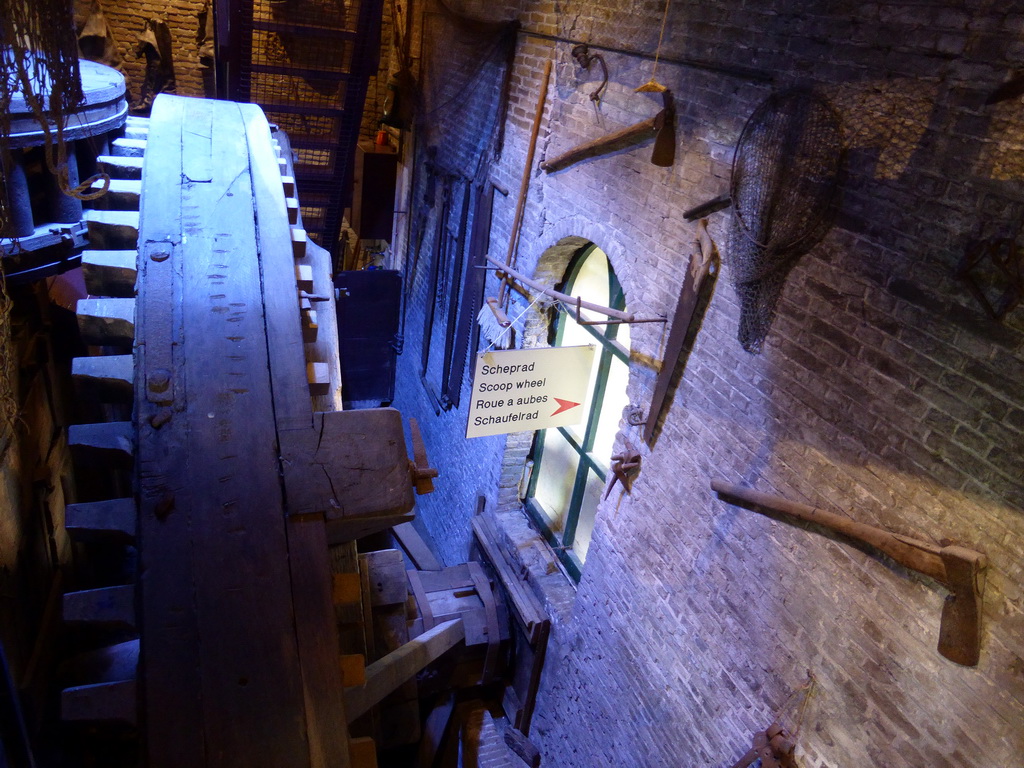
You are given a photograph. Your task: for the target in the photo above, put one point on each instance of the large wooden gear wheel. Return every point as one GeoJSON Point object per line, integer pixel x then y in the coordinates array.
{"type": "Point", "coordinates": [216, 326]}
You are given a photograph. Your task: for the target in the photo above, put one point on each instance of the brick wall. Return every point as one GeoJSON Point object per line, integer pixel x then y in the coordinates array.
{"type": "Point", "coordinates": [883, 393]}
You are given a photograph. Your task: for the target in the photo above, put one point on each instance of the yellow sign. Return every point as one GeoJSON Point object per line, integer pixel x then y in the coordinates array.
{"type": "Point", "coordinates": [517, 390]}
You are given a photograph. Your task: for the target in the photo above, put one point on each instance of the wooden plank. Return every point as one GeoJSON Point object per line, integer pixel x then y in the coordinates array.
{"type": "Point", "coordinates": [386, 674]}
{"type": "Point", "coordinates": [110, 273]}
{"type": "Point", "coordinates": [386, 573]}
{"type": "Point", "coordinates": [107, 664]}
{"type": "Point", "coordinates": [100, 702]}
{"type": "Point", "coordinates": [493, 629]}
{"type": "Point", "coordinates": [252, 687]}
{"type": "Point", "coordinates": [452, 577]}
{"type": "Point", "coordinates": [322, 676]}
{"type": "Point", "coordinates": [527, 608]}
{"type": "Point", "coordinates": [106, 322]}
{"type": "Point", "coordinates": [105, 378]}
{"type": "Point", "coordinates": [284, 334]}
{"type": "Point", "coordinates": [433, 732]}
{"type": "Point", "coordinates": [113, 606]}
{"type": "Point", "coordinates": [110, 520]}
{"type": "Point", "coordinates": [352, 464]}
{"type": "Point", "coordinates": [349, 529]}
{"type": "Point", "coordinates": [417, 548]}
{"type": "Point", "coordinates": [422, 601]}
{"type": "Point", "coordinates": [169, 672]}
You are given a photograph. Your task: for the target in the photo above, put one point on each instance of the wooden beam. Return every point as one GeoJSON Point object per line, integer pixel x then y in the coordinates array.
{"type": "Point", "coordinates": [317, 635]}
{"type": "Point", "coordinates": [387, 674]}
{"type": "Point", "coordinates": [386, 571]}
{"type": "Point", "coordinates": [112, 230]}
{"type": "Point", "coordinates": [417, 548]}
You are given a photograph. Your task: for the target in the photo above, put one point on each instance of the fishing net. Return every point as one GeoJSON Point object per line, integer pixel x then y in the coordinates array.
{"type": "Point", "coordinates": [784, 187]}
{"type": "Point", "coordinates": [39, 62]}
{"type": "Point", "coordinates": [464, 86]}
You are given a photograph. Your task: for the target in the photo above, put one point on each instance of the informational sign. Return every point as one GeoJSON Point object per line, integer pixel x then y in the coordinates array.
{"type": "Point", "coordinates": [517, 390]}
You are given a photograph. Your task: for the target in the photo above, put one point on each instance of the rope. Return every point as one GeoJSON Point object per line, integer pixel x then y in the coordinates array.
{"type": "Point", "coordinates": [661, 36]}
{"type": "Point", "coordinates": [516, 319]}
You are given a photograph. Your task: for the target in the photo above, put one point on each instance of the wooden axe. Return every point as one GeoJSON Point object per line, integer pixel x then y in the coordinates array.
{"type": "Point", "coordinates": [662, 126]}
{"type": "Point", "coordinates": [960, 570]}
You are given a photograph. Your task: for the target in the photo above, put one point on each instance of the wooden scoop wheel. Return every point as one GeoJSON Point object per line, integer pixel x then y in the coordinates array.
{"type": "Point", "coordinates": [232, 469]}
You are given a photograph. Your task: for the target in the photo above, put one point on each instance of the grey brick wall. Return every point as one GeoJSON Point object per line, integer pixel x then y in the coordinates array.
{"type": "Point", "coordinates": [883, 393]}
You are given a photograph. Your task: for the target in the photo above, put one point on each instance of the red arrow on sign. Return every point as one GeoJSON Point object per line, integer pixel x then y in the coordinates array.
{"type": "Point", "coordinates": [564, 405]}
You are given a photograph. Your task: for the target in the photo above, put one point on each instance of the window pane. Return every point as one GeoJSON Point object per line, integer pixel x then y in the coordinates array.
{"type": "Point", "coordinates": [588, 511]}
{"type": "Point", "coordinates": [591, 281]}
{"type": "Point", "coordinates": [611, 412]}
{"type": "Point", "coordinates": [556, 478]}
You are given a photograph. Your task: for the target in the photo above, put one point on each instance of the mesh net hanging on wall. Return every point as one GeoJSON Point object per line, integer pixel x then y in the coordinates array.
{"type": "Point", "coordinates": [785, 182]}
{"type": "Point", "coordinates": [39, 61]}
{"type": "Point", "coordinates": [464, 85]}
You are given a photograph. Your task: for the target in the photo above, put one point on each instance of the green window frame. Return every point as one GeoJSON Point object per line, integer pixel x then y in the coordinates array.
{"type": "Point", "coordinates": [568, 464]}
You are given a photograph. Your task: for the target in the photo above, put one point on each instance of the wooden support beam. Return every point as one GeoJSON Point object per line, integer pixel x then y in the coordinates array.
{"type": "Point", "coordinates": [353, 669]}
{"type": "Point", "coordinates": [101, 702]}
{"type": "Point", "coordinates": [110, 273]}
{"type": "Point", "coordinates": [317, 637]}
{"type": "Point", "coordinates": [386, 571]}
{"type": "Point", "coordinates": [417, 548]}
{"type": "Point", "coordinates": [106, 322]}
{"type": "Point", "coordinates": [387, 674]}
{"type": "Point", "coordinates": [114, 606]}
{"type": "Point", "coordinates": [111, 520]}
{"type": "Point", "coordinates": [106, 378]}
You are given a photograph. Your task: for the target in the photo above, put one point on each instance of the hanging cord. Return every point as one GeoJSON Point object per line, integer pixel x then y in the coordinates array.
{"type": "Point", "coordinates": [512, 323]}
{"type": "Point", "coordinates": [807, 689]}
{"type": "Point", "coordinates": [653, 85]}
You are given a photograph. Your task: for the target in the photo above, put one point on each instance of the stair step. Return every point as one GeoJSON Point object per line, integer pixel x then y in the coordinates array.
{"type": "Point", "coordinates": [112, 230]}
{"type": "Point", "coordinates": [111, 520]}
{"type": "Point", "coordinates": [120, 167]}
{"type": "Point", "coordinates": [108, 606]}
{"type": "Point", "coordinates": [122, 194]}
{"type": "Point", "coordinates": [112, 442]}
{"type": "Point", "coordinates": [106, 321]}
{"type": "Point", "coordinates": [110, 273]}
{"type": "Point", "coordinates": [100, 702]}
{"type": "Point", "coordinates": [128, 147]}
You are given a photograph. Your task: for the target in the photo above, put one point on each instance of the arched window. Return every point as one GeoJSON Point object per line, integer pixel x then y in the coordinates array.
{"type": "Point", "coordinates": [571, 463]}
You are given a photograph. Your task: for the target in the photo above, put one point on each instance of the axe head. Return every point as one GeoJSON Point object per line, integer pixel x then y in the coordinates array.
{"type": "Point", "coordinates": [960, 630]}
{"type": "Point", "coordinates": [664, 153]}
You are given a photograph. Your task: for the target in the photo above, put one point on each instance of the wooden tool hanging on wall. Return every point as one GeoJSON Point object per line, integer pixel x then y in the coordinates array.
{"type": "Point", "coordinates": [662, 126]}
{"type": "Point", "coordinates": [701, 273]}
{"type": "Point", "coordinates": [960, 570]}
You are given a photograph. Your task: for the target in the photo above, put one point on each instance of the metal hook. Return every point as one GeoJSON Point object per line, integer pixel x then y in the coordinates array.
{"type": "Point", "coordinates": [585, 58]}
